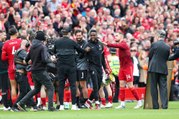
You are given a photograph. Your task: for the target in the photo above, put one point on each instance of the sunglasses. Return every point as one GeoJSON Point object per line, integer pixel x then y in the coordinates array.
{"type": "Point", "coordinates": [93, 35]}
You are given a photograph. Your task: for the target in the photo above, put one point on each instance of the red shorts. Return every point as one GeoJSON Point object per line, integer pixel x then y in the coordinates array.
{"type": "Point", "coordinates": [126, 74]}
{"type": "Point", "coordinates": [29, 76]}
{"type": "Point", "coordinates": [11, 74]}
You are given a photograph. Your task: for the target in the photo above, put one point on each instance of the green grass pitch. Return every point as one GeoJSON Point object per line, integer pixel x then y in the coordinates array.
{"type": "Point", "coordinates": [112, 113]}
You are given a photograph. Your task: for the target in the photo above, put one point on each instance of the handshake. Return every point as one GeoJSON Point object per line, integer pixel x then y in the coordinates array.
{"type": "Point", "coordinates": [87, 49]}
{"type": "Point", "coordinates": [53, 58]}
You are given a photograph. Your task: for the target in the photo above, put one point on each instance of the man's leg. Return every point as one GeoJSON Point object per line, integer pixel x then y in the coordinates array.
{"type": "Point", "coordinates": [163, 91]}
{"type": "Point", "coordinates": [33, 92]}
{"type": "Point", "coordinates": [72, 79]}
{"type": "Point", "coordinates": [153, 77]}
{"type": "Point", "coordinates": [45, 80]}
{"type": "Point", "coordinates": [6, 94]}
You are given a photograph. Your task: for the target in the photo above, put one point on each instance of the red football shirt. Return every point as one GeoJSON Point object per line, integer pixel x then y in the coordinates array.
{"type": "Point", "coordinates": [8, 50]}
{"type": "Point", "coordinates": [124, 54]}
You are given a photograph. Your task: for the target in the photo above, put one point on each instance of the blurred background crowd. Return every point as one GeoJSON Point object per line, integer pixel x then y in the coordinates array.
{"type": "Point", "coordinates": [137, 20]}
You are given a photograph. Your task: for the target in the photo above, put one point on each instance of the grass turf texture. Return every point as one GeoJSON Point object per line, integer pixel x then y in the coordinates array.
{"type": "Point", "coordinates": [112, 113]}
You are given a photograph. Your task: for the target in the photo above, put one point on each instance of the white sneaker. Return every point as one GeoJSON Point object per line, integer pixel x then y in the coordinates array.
{"type": "Point", "coordinates": [120, 107]}
{"type": "Point", "coordinates": [109, 105]}
{"type": "Point", "coordinates": [74, 107]}
{"type": "Point", "coordinates": [61, 107]}
{"type": "Point", "coordinates": [139, 105]}
{"type": "Point", "coordinates": [66, 105]}
{"type": "Point", "coordinates": [44, 108]}
{"type": "Point", "coordinates": [6, 109]}
{"type": "Point", "coordinates": [102, 106]}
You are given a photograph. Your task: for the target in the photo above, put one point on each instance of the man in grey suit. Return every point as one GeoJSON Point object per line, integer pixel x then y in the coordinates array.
{"type": "Point", "coordinates": [158, 71]}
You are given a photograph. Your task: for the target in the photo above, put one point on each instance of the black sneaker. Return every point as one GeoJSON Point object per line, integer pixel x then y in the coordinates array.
{"type": "Point", "coordinates": [58, 107]}
{"type": "Point", "coordinates": [34, 108]}
{"type": "Point", "coordinates": [52, 109]}
{"type": "Point", "coordinates": [21, 108]}
{"type": "Point", "coordinates": [14, 109]}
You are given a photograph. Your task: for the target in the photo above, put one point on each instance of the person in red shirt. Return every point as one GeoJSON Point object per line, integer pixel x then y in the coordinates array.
{"type": "Point", "coordinates": [126, 70]}
{"type": "Point", "coordinates": [8, 50]}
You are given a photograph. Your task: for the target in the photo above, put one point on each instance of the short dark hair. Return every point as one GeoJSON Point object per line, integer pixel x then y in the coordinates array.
{"type": "Point", "coordinates": [78, 31]}
{"type": "Point", "coordinates": [40, 35]}
{"type": "Point", "coordinates": [12, 30]}
{"type": "Point", "coordinates": [93, 30]}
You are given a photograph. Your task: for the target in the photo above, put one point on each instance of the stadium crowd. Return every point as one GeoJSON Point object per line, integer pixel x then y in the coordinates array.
{"type": "Point", "coordinates": [135, 21]}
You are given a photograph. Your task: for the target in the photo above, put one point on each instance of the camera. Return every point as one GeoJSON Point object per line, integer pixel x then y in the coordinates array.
{"type": "Point", "coordinates": [176, 42]}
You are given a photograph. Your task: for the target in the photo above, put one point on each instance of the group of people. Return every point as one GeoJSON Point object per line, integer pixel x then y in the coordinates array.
{"type": "Point", "coordinates": [83, 33]}
{"type": "Point", "coordinates": [89, 59]}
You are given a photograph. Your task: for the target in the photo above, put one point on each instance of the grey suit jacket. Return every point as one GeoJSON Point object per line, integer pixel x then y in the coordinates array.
{"type": "Point", "coordinates": [158, 56]}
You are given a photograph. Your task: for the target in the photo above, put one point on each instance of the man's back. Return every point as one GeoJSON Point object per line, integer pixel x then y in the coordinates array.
{"type": "Point", "coordinates": [65, 49]}
{"type": "Point", "coordinates": [9, 49]}
{"type": "Point", "coordinates": [158, 57]}
{"type": "Point", "coordinates": [38, 55]}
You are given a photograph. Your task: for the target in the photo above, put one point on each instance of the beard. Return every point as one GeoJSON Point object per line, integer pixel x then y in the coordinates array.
{"type": "Point", "coordinates": [79, 39]}
{"type": "Point", "coordinates": [93, 39]}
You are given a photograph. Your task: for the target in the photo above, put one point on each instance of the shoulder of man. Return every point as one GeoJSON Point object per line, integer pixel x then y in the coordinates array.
{"type": "Point", "coordinates": [101, 44]}
{"type": "Point", "coordinates": [18, 52]}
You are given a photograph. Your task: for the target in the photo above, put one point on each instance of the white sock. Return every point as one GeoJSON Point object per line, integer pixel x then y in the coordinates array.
{"type": "Point", "coordinates": [123, 103]}
{"type": "Point", "coordinates": [97, 102]}
{"type": "Point", "coordinates": [38, 101]}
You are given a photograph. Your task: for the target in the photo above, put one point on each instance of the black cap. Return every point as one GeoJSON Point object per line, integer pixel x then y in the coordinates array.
{"type": "Point", "coordinates": [65, 31]}
{"type": "Point", "coordinates": [176, 42]}
{"type": "Point", "coordinates": [40, 35]}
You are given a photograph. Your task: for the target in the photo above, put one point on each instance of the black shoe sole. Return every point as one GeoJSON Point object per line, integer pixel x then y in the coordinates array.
{"type": "Point", "coordinates": [21, 108]}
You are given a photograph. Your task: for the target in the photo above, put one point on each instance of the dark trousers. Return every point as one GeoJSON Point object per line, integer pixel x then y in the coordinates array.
{"type": "Point", "coordinates": [158, 80]}
{"type": "Point", "coordinates": [24, 87]}
{"type": "Point", "coordinates": [6, 93]}
{"type": "Point", "coordinates": [40, 78]}
{"type": "Point", "coordinates": [67, 72]}
{"type": "Point", "coordinates": [116, 93]}
{"type": "Point", "coordinates": [96, 78]}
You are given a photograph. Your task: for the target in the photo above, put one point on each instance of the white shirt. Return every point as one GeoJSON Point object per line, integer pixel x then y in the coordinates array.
{"type": "Point", "coordinates": [136, 68]}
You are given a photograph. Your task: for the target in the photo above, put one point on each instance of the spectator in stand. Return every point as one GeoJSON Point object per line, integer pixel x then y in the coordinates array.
{"type": "Point", "coordinates": [136, 73]}
{"type": "Point", "coordinates": [143, 63]}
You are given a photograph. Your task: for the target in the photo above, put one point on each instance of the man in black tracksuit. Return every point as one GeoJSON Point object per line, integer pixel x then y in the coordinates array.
{"type": "Point", "coordinates": [65, 49]}
{"type": "Point", "coordinates": [39, 56]}
{"type": "Point", "coordinates": [82, 69]}
{"type": "Point", "coordinates": [96, 63]}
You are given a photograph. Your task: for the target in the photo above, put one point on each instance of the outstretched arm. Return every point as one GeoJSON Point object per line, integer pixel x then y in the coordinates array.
{"type": "Point", "coordinates": [121, 45]}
